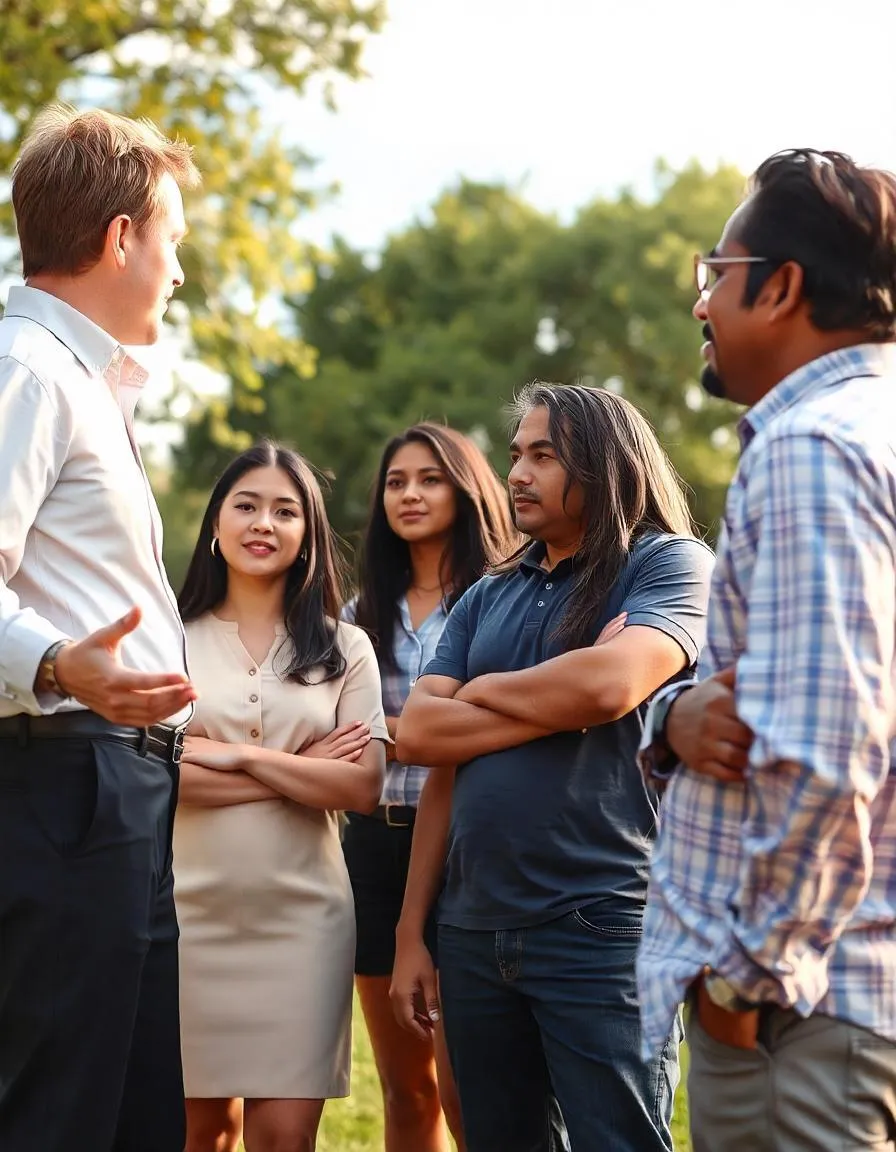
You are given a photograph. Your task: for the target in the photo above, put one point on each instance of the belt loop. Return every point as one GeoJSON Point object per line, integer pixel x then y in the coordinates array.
{"type": "Point", "coordinates": [144, 742]}
{"type": "Point", "coordinates": [24, 730]}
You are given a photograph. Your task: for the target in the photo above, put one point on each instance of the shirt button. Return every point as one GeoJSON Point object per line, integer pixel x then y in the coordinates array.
{"type": "Point", "coordinates": [254, 732]}
{"type": "Point", "coordinates": [541, 603]}
{"type": "Point", "coordinates": [252, 671]}
{"type": "Point", "coordinates": [253, 698]}
{"type": "Point", "coordinates": [549, 586]}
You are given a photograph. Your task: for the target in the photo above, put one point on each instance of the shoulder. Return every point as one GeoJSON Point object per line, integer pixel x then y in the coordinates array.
{"type": "Point", "coordinates": [354, 643]}
{"type": "Point", "coordinates": [671, 552]}
{"type": "Point", "coordinates": [30, 355]}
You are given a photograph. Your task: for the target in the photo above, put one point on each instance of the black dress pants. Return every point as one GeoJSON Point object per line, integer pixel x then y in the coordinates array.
{"type": "Point", "coordinates": [89, 1023]}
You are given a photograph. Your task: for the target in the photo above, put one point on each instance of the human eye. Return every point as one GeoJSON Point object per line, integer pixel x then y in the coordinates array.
{"type": "Point", "coordinates": [245, 506]}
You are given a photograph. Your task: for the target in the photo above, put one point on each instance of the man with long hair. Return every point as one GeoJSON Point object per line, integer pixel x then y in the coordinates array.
{"type": "Point", "coordinates": [536, 694]}
{"type": "Point", "coordinates": [91, 711]}
{"type": "Point", "coordinates": [773, 886]}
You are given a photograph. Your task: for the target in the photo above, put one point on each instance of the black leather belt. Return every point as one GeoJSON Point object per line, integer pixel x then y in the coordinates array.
{"type": "Point", "coordinates": [159, 740]}
{"type": "Point", "coordinates": [395, 815]}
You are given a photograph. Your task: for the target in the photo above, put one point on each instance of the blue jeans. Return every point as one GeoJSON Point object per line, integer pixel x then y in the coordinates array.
{"type": "Point", "coordinates": [544, 1037]}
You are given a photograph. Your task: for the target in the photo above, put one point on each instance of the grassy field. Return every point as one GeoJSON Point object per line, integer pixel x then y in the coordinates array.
{"type": "Point", "coordinates": [355, 1125]}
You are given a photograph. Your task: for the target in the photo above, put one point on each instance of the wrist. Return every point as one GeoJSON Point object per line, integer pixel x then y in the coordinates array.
{"type": "Point", "coordinates": [52, 670]}
{"type": "Point", "coordinates": [409, 929]}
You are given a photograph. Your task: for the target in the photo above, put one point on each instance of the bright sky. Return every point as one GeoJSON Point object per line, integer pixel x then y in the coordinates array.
{"type": "Point", "coordinates": [575, 97]}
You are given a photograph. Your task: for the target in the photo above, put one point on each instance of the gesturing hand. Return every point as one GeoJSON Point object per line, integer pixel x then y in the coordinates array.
{"type": "Point", "coordinates": [214, 754]}
{"type": "Point", "coordinates": [90, 670]}
{"type": "Point", "coordinates": [704, 732]}
{"type": "Point", "coordinates": [344, 743]}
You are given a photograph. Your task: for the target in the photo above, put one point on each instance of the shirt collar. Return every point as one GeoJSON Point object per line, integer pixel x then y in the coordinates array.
{"type": "Point", "coordinates": [832, 368]}
{"type": "Point", "coordinates": [532, 559]}
{"type": "Point", "coordinates": [100, 353]}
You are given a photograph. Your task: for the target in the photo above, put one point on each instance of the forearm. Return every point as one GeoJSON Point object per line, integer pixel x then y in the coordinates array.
{"type": "Point", "coordinates": [316, 782]}
{"type": "Point", "coordinates": [208, 788]}
{"type": "Point", "coordinates": [446, 732]}
{"type": "Point", "coordinates": [579, 689]}
{"type": "Point", "coordinates": [429, 849]}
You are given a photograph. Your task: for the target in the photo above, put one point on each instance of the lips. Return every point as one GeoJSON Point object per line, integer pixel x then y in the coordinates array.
{"type": "Point", "coordinates": [411, 515]}
{"type": "Point", "coordinates": [259, 549]}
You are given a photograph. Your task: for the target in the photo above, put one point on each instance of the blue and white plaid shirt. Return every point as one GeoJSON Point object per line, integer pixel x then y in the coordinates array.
{"type": "Point", "coordinates": [413, 651]}
{"type": "Point", "coordinates": [786, 885]}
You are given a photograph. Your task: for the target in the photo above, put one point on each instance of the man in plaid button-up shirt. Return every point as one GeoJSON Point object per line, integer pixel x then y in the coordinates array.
{"type": "Point", "coordinates": [773, 885]}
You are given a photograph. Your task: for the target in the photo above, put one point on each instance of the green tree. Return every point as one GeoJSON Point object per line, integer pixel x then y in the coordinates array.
{"type": "Point", "coordinates": [463, 307]}
{"type": "Point", "coordinates": [210, 72]}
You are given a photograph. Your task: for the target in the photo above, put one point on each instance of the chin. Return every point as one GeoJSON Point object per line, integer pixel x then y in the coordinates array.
{"type": "Point", "coordinates": [712, 383]}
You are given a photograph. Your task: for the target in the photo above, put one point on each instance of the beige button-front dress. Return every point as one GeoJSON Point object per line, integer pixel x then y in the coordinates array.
{"type": "Point", "coordinates": [263, 898]}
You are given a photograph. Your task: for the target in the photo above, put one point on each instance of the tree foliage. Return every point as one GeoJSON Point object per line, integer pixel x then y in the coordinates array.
{"type": "Point", "coordinates": [486, 293]}
{"type": "Point", "coordinates": [211, 71]}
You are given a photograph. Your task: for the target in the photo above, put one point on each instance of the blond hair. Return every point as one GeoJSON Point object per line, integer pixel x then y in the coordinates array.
{"type": "Point", "coordinates": [78, 171]}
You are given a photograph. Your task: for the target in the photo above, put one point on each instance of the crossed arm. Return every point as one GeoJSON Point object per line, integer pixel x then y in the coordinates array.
{"type": "Point", "coordinates": [446, 722]}
{"type": "Point", "coordinates": [348, 776]}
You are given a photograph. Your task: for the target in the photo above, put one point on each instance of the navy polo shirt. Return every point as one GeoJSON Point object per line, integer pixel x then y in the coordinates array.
{"type": "Point", "coordinates": [567, 820]}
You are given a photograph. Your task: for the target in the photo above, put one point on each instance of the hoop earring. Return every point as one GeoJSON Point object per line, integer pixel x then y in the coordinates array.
{"type": "Point", "coordinates": [214, 546]}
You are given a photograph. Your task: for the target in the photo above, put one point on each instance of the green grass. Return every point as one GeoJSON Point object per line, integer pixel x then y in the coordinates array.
{"type": "Point", "coordinates": [356, 1124]}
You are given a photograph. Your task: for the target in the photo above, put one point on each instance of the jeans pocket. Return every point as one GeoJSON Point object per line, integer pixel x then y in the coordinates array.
{"type": "Point", "coordinates": [610, 923]}
{"type": "Point", "coordinates": [63, 791]}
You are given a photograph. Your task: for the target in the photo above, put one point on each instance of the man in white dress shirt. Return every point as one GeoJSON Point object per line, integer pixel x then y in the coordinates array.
{"type": "Point", "coordinates": [93, 686]}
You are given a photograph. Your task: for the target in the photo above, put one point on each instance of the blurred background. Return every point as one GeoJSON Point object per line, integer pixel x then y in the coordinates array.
{"type": "Point", "coordinates": [411, 208]}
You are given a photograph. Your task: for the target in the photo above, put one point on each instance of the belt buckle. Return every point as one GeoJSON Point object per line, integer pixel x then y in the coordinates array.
{"type": "Point", "coordinates": [395, 823]}
{"type": "Point", "coordinates": [177, 746]}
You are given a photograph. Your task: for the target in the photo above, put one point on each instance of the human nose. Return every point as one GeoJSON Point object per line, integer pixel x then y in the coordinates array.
{"type": "Point", "coordinates": [411, 493]}
{"type": "Point", "coordinates": [518, 476]}
{"type": "Point", "coordinates": [262, 522]}
{"type": "Point", "coordinates": [699, 309]}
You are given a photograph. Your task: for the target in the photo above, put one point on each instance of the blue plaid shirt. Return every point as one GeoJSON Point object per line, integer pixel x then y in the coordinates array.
{"type": "Point", "coordinates": [786, 885]}
{"type": "Point", "coordinates": [413, 651]}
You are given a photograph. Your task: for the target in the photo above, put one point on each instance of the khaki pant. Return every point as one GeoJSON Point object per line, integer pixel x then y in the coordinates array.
{"type": "Point", "coordinates": [812, 1085]}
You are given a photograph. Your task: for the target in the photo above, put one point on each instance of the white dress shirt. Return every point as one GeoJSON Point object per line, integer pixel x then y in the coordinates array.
{"type": "Point", "coordinates": [80, 534]}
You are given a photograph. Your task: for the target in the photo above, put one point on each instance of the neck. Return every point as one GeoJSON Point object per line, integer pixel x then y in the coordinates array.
{"type": "Point", "coordinates": [560, 550]}
{"type": "Point", "coordinates": [428, 570]}
{"type": "Point", "coordinates": [249, 598]}
{"type": "Point", "coordinates": [83, 293]}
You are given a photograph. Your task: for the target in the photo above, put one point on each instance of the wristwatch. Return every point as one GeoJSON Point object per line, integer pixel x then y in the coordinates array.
{"type": "Point", "coordinates": [723, 995]}
{"type": "Point", "coordinates": [46, 669]}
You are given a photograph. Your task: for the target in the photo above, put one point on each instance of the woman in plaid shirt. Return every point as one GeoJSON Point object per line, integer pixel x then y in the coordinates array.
{"type": "Point", "coordinates": [439, 518]}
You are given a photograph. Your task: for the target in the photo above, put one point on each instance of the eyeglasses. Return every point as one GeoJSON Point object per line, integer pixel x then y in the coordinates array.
{"type": "Point", "coordinates": [706, 267]}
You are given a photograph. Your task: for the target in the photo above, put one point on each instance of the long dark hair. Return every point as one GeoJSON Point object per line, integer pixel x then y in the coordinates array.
{"type": "Point", "coordinates": [630, 489]}
{"type": "Point", "coordinates": [313, 597]}
{"type": "Point", "coordinates": [482, 534]}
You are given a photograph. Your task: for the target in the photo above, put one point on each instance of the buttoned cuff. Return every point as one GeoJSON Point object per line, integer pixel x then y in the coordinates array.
{"type": "Point", "coordinates": [25, 639]}
{"type": "Point", "coordinates": [655, 758]}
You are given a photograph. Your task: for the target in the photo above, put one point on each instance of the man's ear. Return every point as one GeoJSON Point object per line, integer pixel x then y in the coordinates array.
{"type": "Point", "coordinates": [782, 293]}
{"type": "Point", "coordinates": [118, 236]}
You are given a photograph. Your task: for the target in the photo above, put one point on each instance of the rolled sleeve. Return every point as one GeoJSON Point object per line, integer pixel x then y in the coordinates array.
{"type": "Point", "coordinates": [814, 684]}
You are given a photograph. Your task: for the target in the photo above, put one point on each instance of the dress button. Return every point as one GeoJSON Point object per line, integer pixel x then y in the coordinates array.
{"type": "Point", "coordinates": [253, 698]}
{"type": "Point", "coordinates": [254, 732]}
{"type": "Point", "coordinates": [541, 603]}
{"type": "Point", "coordinates": [252, 671]}
{"type": "Point", "coordinates": [549, 586]}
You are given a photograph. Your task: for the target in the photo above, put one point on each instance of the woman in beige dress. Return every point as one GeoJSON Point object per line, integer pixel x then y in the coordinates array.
{"type": "Point", "coordinates": [288, 730]}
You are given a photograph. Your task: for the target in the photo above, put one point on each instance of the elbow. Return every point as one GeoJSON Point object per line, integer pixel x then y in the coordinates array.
{"type": "Point", "coordinates": [370, 786]}
{"type": "Point", "coordinates": [602, 704]}
{"type": "Point", "coordinates": [407, 742]}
